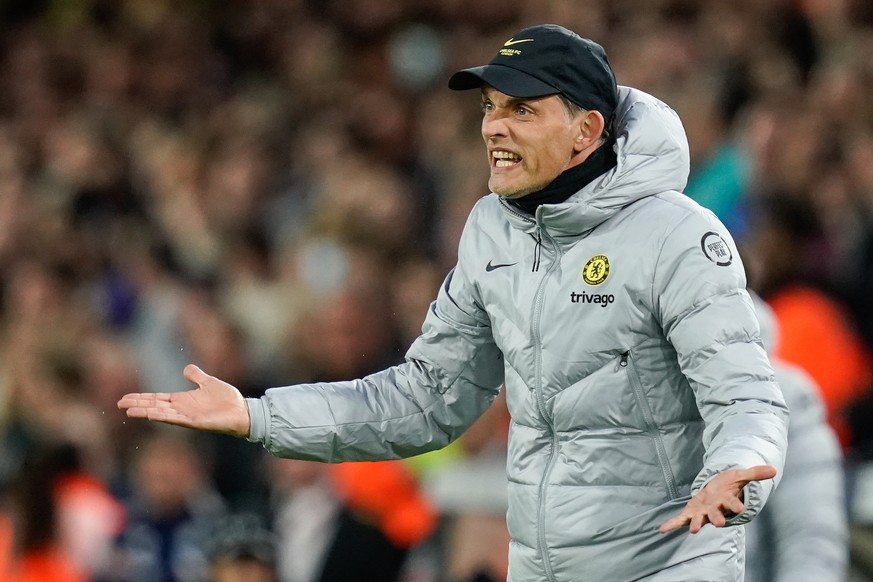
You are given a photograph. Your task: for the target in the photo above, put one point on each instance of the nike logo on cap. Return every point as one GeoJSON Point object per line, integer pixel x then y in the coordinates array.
{"type": "Point", "coordinates": [511, 42]}
{"type": "Point", "coordinates": [489, 267]}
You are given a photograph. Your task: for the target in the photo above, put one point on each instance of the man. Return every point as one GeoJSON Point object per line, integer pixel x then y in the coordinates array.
{"type": "Point", "coordinates": [611, 306]}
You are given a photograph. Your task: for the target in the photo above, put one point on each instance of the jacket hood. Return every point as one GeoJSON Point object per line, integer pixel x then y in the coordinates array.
{"type": "Point", "coordinates": [652, 157]}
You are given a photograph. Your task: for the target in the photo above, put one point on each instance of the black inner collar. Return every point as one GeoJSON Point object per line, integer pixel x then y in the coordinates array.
{"type": "Point", "coordinates": [569, 181]}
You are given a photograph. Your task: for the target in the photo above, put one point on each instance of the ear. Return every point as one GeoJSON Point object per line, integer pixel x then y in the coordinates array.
{"type": "Point", "coordinates": [591, 125]}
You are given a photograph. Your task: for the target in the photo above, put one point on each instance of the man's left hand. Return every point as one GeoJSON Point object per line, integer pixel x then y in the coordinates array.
{"type": "Point", "coordinates": [721, 497]}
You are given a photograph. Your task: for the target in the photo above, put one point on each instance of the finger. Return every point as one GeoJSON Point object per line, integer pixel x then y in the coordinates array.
{"type": "Point", "coordinates": [674, 523]}
{"type": "Point", "coordinates": [697, 522]}
{"type": "Point", "coordinates": [735, 506]}
{"type": "Point", "coordinates": [129, 400]}
{"type": "Point", "coordinates": [757, 473]}
{"type": "Point", "coordinates": [194, 374]}
{"type": "Point", "coordinates": [716, 517]}
{"type": "Point", "coordinates": [137, 412]}
{"type": "Point", "coordinates": [144, 400]}
{"type": "Point", "coordinates": [143, 408]}
{"type": "Point", "coordinates": [163, 415]}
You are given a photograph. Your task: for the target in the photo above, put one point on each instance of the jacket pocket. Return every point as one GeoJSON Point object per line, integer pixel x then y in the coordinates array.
{"type": "Point", "coordinates": [649, 425]}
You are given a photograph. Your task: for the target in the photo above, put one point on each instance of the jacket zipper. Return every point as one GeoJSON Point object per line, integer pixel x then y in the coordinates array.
{"type": "Point", "coordinates": [537, 237]}
{"type": "Point", "coordinates": [541, 405]}
{"type": "Point", "coordinates": [538, 388]}
{"type": "Point", "coordinates": [651, 427]}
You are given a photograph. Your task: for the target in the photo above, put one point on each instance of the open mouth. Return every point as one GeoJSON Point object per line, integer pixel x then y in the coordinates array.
{"type": "Point", "coordinates": [504, 159]}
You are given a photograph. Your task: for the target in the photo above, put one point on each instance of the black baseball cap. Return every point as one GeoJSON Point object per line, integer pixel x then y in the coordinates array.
{"type": "Point", "coordinates": [548, 59]}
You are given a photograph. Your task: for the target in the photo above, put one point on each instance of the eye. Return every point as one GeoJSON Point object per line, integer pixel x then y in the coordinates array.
{"type": "Point", "coordinates": [487, 106]}
{"type": "Point", "coordinates": [522, 111]}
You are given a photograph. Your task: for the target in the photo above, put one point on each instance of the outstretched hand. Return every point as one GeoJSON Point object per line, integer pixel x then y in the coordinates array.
{"type": "Point", "coordinates": [721, 497]}
{"type": "Point", "coordinates": [214, 405]}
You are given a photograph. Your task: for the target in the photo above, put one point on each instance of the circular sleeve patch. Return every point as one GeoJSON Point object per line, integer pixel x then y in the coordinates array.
{"type": "Point", "coordinates": [716, 249]}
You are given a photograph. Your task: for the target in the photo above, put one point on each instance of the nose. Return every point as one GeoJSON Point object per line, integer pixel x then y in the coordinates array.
{"type": "Point", "coordinates": [494, 125]}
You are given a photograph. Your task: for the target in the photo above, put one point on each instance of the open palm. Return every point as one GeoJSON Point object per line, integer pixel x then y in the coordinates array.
{"type": "Point", "coordinates": [214, 405]}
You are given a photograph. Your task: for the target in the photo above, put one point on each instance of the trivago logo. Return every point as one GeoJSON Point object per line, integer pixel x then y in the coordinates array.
{"type": "Point", "coordinates": [601, 299]}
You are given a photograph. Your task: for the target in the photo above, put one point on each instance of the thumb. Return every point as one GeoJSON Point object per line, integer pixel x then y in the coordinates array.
{"type": "Point", "coordinates": [195, 375]}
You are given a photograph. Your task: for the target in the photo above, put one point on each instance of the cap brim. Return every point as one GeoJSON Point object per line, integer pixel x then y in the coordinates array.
{"type": "Point", "coordinates": [505, 79]}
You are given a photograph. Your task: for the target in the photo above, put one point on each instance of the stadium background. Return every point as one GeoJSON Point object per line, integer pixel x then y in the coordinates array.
{"type": "Point", "coordinates": [274, 189]}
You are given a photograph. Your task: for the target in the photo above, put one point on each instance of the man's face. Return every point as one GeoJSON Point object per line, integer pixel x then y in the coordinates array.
{"type": "Point", "coordinates": [530, 141]}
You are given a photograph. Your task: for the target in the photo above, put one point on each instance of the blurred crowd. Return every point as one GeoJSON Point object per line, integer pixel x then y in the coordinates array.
{"type": "Point", "coordinates": [274, 190]}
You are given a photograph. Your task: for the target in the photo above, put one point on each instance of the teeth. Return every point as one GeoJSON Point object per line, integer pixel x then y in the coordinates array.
{"type": "Point", "coordinates": [504, 159]}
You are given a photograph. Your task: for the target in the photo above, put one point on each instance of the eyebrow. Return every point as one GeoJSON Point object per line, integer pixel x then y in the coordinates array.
{"type": "Point", "coordinates": [510, 101]}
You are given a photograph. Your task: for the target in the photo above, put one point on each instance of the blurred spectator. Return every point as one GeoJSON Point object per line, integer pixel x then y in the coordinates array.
{"type": "Point", "coordinates": [347, 329]}
{"type": "Point", "coordinates": [64, 520]}
{"type": "Point", "coordinates": [467, 480]}
{"type": "Point", "coordinates": [413, 287]}
{"type": "Point", "coordinates": [235, 470]}
{"type": "Point", "coordinates": [815, 331]}
{"type": "Point", "coordinates": [346, 523]}
{"type": "Point", "coordinates": [39, 549]}
{"type": "Point", "coordinates": [242, 550]}
{"type": "Point", "coordinates": [782, 543]}
{"type": "Point", "coordinates": [171, 508]}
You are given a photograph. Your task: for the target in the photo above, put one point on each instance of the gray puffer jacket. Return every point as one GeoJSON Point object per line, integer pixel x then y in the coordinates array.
{"type": "Point", "coordinates": [619, 323]}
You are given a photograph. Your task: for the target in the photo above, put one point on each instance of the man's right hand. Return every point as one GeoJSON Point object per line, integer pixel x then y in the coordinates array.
{"type": "Point", "coordinates": [214, 405]}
